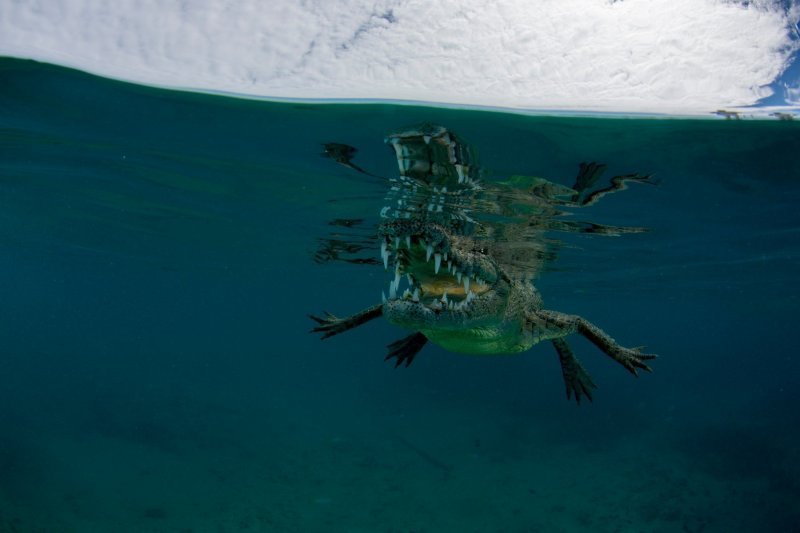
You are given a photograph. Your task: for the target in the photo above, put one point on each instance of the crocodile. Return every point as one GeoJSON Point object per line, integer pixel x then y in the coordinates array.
{"type": "Point", "coordinates": [469, 250]}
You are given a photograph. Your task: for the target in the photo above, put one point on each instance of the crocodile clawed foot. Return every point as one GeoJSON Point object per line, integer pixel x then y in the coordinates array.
{"type": "Point", "coordinates": [576, 378]}
{"type": "Point", "coordinates": [633, 359]}
{"type": "Point", "coordinates": [329, 326]}
{"type": "Point", "coordinates": [580, 383]}
{"type": "Point", "coordinates": [405, 349]}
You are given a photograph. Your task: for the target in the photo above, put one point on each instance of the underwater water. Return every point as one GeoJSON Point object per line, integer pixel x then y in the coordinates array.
{"type": "Point", "coordinates": [160, 254]}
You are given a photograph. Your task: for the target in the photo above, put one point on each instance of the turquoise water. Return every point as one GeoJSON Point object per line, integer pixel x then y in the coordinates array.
{"type": "Point", "coordinates": [156, 371]}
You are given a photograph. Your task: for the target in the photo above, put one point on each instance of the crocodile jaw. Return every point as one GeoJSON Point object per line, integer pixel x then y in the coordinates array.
{"type": "Point", "coordinates": [448, 284]}
{"type": "Point", "coordinates": [480, 312]}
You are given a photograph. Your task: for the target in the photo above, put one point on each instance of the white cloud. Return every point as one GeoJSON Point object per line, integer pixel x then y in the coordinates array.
{"type": "Point", "coordinates": [673, 56]}
{"type": "Point", "coordinates": [792, 94]}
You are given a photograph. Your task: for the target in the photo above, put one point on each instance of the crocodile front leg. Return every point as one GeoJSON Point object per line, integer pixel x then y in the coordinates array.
{"type": "Point", "coordinates": [588, 175]}
{"type": "Point", "coordinates": [576, 378]}
{"type": "Point", "coordinates": [331, 325]}
{"type": "Point", "coordinates": [618, 183]}
{"type": "Point", "coordinates": [560, 324]}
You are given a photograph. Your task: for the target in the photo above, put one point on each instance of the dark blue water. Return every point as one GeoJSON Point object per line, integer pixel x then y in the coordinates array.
{"type": "Point", "coordinates": [157, 374]}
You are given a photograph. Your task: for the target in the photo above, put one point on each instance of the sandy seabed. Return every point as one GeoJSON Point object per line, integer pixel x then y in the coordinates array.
{"type": "Point", "coordinates": [397, 473]}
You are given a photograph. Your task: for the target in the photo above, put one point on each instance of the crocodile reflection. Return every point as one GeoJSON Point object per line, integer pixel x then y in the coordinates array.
{"type": "Point", "coordinates": [466, 252]}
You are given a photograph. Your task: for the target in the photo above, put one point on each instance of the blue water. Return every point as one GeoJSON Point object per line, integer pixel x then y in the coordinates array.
{"type": "Point", "coordinates": [157, 374]}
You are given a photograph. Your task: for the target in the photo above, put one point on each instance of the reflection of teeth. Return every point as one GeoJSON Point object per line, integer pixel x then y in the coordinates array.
{"type": "Point", "coordinates": [460, 172]}
{"type": "Point", "coordinates": [397, 243]}
{"type": "Point", "coordinates": [445, 256]}
{"type": "Point", "coordinates": [408, 241]}
{"type": "Point", "coordinates": [437, 262]}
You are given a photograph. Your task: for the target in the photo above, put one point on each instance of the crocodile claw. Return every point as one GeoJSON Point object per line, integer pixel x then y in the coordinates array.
{"type": "Point", "coordinates": [329, 326]}
{"type": "Point", "coordinates": [406, 349]}
{"type": "Point", "coordinates": [576, 379]}
{"type": "Point", "coordinates": [633, 359]}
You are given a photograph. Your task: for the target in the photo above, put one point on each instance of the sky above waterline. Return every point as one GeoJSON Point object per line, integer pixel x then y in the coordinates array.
{"type": "Point", "coordinates": [638, 56]}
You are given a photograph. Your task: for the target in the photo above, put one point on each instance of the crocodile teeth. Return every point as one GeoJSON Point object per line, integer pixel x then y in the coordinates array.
{"type": "Point", "coordinates": [410, 279]}
{"type": "Point", "coordinates": [406, 294]}
{"type": "Point", "coordinates": [429, 252]}
{"type": "Point", "coordinates": [392, 291]}
{"type": "Point", "coordinates": [458, 275]}
{"type": "Point", "coordinates": [385, 255]}
{"type": "Point", "coordinates": [437, 262]}
{"type": "Point", "coordinates": [427, 139]}
{"type": "Point", "coordinates": [383, 297]}
{"type": "Point", "coordinates": [445, 256]}
{"type": "Point", "coordinates": [444, 297]}
{"type": "Point", "coordinates": [415, 296]}
{"type": "Point", "coordinates": [466, 283]}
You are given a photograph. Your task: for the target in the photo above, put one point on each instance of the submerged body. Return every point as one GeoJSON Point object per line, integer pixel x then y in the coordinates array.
{"type": "Point", "coordinates": [469, 254]}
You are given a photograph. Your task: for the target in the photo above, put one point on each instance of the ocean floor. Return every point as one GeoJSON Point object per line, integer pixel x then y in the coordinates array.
{"type": "Point", "coordinates": [442, 467]}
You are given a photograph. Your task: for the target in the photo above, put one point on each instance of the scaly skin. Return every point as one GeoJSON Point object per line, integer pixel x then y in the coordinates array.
{"type": "Point", "coordinates": [470, 288]}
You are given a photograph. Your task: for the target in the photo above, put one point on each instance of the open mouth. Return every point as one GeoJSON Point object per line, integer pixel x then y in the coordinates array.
{"type": "Point", "coordinates": [433, 275]}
